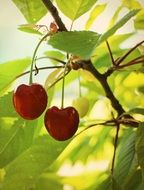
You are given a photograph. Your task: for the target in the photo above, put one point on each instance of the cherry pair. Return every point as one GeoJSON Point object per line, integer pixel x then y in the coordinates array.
{"type": "Point", "coordinates": [30, 101]}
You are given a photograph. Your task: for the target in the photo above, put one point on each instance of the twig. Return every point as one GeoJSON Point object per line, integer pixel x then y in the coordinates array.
{"type": "Point", "coordinates": [135, 61]}
{"type": "Point", "coordinates": [87, 65]}
{"type": "Point", "coordinates": [41, 68]}
{"type": "Point", "coordinates": [49, 5]}
{"type": "Point", "coordinates": [119, 61]}
{"type": "Point", "coordinates": [115, 147]}
{"type": "Point", "coordinates": [110, 52]}
{"type": "Point", "coordinates": [107, 123]}
{"type": "Point", "coordinates": [58, 79]}
{"type": "Point", "coordinates": [52, 58]}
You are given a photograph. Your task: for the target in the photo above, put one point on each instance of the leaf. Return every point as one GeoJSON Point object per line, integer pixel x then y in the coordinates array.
{"type": "Point", "coordinates": [10, 70]}
{"type": "Point", "coordinates": [126, 159]}
{"type": "Point", "coordinates": [135, 181]}
{"type": "Point", "coordinates": [49, 181]}
{"type": "Point", "coordinates": [115, 16]}
{"type": "Point", "coordinates": [53, 77]}
{"type": "Point", "coordinates": [55, 54]}
{"type": "Point", "coordinates": [118, 25]}
{"type": "Point", "coordinates": [140, 145]}
{"type": "Point", "coordinates": [32, 10]}
{"type": "Point", "coordinates": [15, 138]}
{"type": "Point", "coordinates": [94, 14]}
{"type": "Point", "coordinates": [29, 28]}
{"type": "Point", "coordinates": [7, 111]}
{"type": "Point", "coordinates": [25, 170]}
{"type": "Point", "coordinates": [74, 42]}
{"type": "Point", "coordinates": [137, 110]}
{"type": "Point", "coordinates": [139, 20]}
{"type": "Point", "coordinates": [141, 89]}
{"type": "Point", "coordinates": [131, 4]}
{"type": "Point", "coordinates": [75, 8]}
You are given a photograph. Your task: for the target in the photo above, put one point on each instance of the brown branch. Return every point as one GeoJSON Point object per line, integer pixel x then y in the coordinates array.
{"type": "Point", "coordinates": [87, 65]}
{"type": "Point", "coordinates": [110, 52]}
{"type": "Point", "coordinates": [115, 148]}
{"type": "Point", "coordinates": [135, 61]}
{"type": "Point", "coordinates": [42, 68]}
{"type": "Point", "coordinates": [119, 61]}
{"type": "Point", "coordinates": [53, 10]}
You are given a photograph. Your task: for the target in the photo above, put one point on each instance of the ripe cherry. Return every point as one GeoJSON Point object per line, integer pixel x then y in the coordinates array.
{"type": "Point", "coordinates": [30, 100]}
{"type": "Point", "coordinates": [61, 124]}
{"type": "Point", "coordinates": [81, 104]}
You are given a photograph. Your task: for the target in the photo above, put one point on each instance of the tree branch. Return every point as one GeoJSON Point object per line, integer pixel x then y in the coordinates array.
{"type": "Point", "coordinates": [115, 148]}
{"type": "Point", "coordinates": [53, 10]}
{"type": "Point", "coordinates": [121, 59]}
{"type": "Point", "coordinates": [41, 68]}
{"type": "Point", "coordinates": [87, 65]}
{"type": "Point", "coordinates": [110, 52]}
{"type": "Point", "coordinates": [114, 68]}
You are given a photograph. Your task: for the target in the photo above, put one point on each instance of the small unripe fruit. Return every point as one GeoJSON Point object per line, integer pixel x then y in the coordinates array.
{"type": "Point", "coordinates": [81, 104]}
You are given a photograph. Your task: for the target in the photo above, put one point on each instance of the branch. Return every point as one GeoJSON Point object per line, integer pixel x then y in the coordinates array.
{"type": "Point", "coordinates": [42, 68]}
{"type": "Point", "coordinates": [55, 14]}
{"type": "Point", "coordinates": [87, 65]}
{"type": "Point", "coordinates": [110, 52]}
{"type": "Point", "coordinates": [115, 148]}
{"type": "Point", "coordinates": [127, 53]}
{"type": "Point", "coordinates": [135, 61]}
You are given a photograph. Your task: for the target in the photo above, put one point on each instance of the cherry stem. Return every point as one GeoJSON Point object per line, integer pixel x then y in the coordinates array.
{"type": "Point", "coordinates": [63, 84]}
{"type": "Point", "coordinates": [34, 56]}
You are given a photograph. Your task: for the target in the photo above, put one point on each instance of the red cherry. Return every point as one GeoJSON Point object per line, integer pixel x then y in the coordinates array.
{"type": "Point", "coordinates": [61, 123]}
{"type": "Point", "coordinates": [30, 100]}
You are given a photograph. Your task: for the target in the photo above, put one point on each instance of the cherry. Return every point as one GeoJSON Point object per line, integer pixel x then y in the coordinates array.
{"type": "Point", "coordinates": [61, 124]}
{"type": "Point", "coordinates": [81, 104]}
{"type": "Point", "coordinates": [30, 100]}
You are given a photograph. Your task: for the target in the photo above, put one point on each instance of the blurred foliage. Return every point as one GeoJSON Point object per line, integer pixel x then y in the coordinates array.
{"type": "Point", "coordinates": [29, 158]}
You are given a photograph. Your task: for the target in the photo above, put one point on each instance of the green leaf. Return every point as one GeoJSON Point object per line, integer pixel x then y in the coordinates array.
{"type": "Point", "coordinates": [118, 25]}
{"type": "Point", "coordinates": [139, 20]}
{"type": "Point", "coordinates": [29, 29]}
{"type": "Point", "coordinates": [131, 4]}
{"type": "Point", "coordinates": [94, 14]}
{"type": "Point", "coordinates": [55, 54]}
{"type": "Point", "coordinates": [32, 10]}
{"type": "Point", "coordinates": [126, 159]}
{"type": "Point", "coordinates": [25, 170]}
{"type": "Point", "coordinates": [10, 70]}
{"type": "Point", "coordinates": [140, 145]}
{"type": "Point", "coordinates": [15, 137]}
{"type": "Point", "coordinates": [49, 181]}
{"type": "Point", "coordinates": [115, 16]}
{"type": "Point", "coordinates": [74, 42]}
{"type": "Point", "coordinates": [141, 89]}
{"type": "Point", "coordinates": [53, 77]}
{"type": "Point", "coordinates": [75, 8]}
{"type": "Point", "coordinates": [7, 111]}
{"type": "Point", "coordinates": [137, 110]}
{"type": "Point", "coordinates": [135, 181]}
